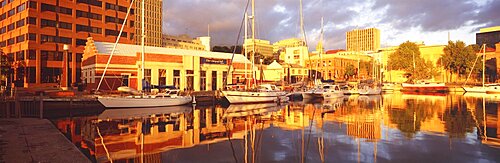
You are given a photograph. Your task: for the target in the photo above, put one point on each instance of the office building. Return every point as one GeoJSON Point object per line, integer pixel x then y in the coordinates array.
{"type": "Point", "coordinates": [183, 42]}
{"type": "Point", "coordinates": [152, 22]}
{"type": "Point", "coordinates": [363, 39]}
{"type": "Point", "coordinates": [489, 36]}
{"type": "Point", "coordinates": [262, 47]}
{"type": "Point", "coordinates": [33, 34]}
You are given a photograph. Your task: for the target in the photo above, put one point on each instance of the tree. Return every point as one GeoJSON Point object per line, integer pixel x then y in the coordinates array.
{"type": "Point", "coordinates": [407, 58]}
{"type": "Point", "coordinates": [5, 69]}
{"type": "Point", "coordinates": [350, 71]}
{"type": "Point", "coordinates": [459, 58]}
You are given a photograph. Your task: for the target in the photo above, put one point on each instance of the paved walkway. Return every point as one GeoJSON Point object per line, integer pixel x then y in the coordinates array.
{"type": "Point", "coordinates": [35, 140]}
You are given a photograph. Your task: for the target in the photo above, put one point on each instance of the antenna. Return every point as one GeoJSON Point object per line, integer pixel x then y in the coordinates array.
{"type": "Point", "coordinates": [208, 30]}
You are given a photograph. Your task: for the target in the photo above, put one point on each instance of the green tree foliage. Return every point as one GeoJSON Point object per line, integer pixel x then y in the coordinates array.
{"type": "Point", "coordinates": [350, 71]}
{"type": "Point", "coordinates": [459, 58]}
{"type": "Point", "coordinates": [404, 58]}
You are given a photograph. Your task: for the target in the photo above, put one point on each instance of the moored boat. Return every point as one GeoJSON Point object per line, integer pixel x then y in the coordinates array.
{"type": "Point", "coordinates": [424, 87]}
{"type": "Point", "coordinates": [370, 91]}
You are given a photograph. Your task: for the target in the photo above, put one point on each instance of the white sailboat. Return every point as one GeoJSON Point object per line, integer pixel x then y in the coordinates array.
{"type": "Point", "coordinates": [366, 90]}
{"type": "Point", "coordinates": [326, 91]}
{"type": "Point", "coordinates": [258, 96]}
{"type": "Point", "coordinates": [137, 101]}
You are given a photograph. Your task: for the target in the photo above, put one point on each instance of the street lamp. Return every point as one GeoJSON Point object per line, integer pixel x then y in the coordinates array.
{"type": "Point", "coordinates": [66, 63]}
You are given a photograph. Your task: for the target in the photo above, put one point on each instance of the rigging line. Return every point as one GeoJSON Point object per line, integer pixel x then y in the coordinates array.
{"type": "Point", "coordinates": [310, 131]}
{"type": "Point", "coordinates": [114, 46]}
{"type": "Point", "coordinates": [224, 83]}
{"type": "Point", "coordinates": [104, 145]}
{"type": "Point", "coordinates": [229, 137]}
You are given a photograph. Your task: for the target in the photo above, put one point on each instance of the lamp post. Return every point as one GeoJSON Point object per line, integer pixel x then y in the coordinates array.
{"type": "Point", "coordinates": [66, 65]}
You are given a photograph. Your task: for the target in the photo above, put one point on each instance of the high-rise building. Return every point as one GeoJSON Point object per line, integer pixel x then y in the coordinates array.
{"type": "Point", "coordinates": [152, 22]}
{"type": "Point", "coordinates": [287, 43]}
{"type": "Point", "coordinates": [489, 36]}
{"type": "Point", "coordinates": [33, 34]}
{"type": "Point", "coordinates": [262, 47]}
{"type": "Point", "coordinates": [363, 40]}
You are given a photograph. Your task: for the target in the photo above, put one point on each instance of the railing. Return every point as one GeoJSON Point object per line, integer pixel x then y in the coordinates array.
{"type": "Point", "coordinates": [17, 107]}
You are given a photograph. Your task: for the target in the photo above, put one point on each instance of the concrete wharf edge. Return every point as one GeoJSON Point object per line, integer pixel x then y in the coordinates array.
{"type": "Point", "coordinates": [35, 140]}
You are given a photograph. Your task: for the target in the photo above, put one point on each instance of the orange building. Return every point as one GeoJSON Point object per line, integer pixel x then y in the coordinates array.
{"type": "Point", "coordinates": [33, 32]}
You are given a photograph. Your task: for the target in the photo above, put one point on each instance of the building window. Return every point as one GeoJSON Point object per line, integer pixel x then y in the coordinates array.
{"type": "Point", "coordinates": [65, 40]}
{"type": "Point", "coordinates": [203, 80]}
{"type": "Point", "coordinates": [125, 80]}
{"type": "Point", "coordinates": [147, 75]}
{"type": "Point", "coordinates": [20, 23]}
{"type": "Point", "coordinates": [47, 23]}
{"type": "Point", "coordinates": [32, 20]}
{"type": "Point", "coordinates": [20, 38]}
{"type": "Point", "coordinates": [114, 20]}
{"type": "Point", "coordinates": [3, 30]}
{"type": "Point", "coordinates": [51, 75]}
{"type": "Point", "coordinates": [32, 4]}
{"type": "Point", "coordinates": [91, 2]}
{"type": "Point", "coordinates": [51, 55]}
{"type": "Point", "coordinates": [3, 44]}
{"type": "Point", "coordinates": [11, 12]}
{"type": "Point", "coordinates": [32, 36]}
{"type": "Point", "coordinates": [81, 42]}
{"type": "Point", "coordinates": [189, 79]}
{"type": "Point", "coordinates": [47, 38]}
{"type": "Point", "coordinates": [20, 55]}
{"type": "Point", "coordinates": [115, 33]}
{"type": "Point", "coordinates": [21, 7]}
{"type": "Point", "coordinates": [177, 78]}
{"type": "Point", "coordinates": [10, 41]}
{"type": "Point", "coordinates": [32, 54]}
{"type": "Point", "coordinates": [47, 7]}
{"type": "Point", "coordinates": [214, 80]}
{"type": "Point", "coordinates": [116, 7]}
{"type": "Point", "coordinates": [31, 74]}
{"type": "Point", "coordinates": [79, 57]}
{"type": "Point", "coordinates": [162, 77]}
{"type": "Point", "coordinates": [3, 16]}
{"type": "Point", "coordinates": [65, 25]}
{"type": "Point", "coordinates": [64, 10]}
{"type": "Point", "coordinates": [88, 15]}
{"type": "Point", "coordinates": [11, 27]}
{"type": "Point", "coordinates": [82, 28]}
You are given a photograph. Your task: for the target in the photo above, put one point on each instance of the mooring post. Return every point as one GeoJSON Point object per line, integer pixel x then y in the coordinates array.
{"type": "Point", "coordinates": [41, 106]}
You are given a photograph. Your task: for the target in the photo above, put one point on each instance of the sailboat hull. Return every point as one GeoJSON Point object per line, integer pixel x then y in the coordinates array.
{"type": "Point", "coordinates": [240, 97]}
{"type": "Point", "coordinates": [476, 89]}
{"type": "Point", "coordinates": [370, 91]}
{"type": "Point", "coordinates": [137, 102]}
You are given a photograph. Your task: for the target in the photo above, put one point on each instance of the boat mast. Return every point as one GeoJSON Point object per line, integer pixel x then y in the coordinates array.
{"type": "Point", "coordinates": [245, 50]}
{"type": "Point", "coordinates": [253, 42]}
{"type": "Point", "coordinates": [142, 42]}
{"type": "Point", "coordinates": [484, 60]}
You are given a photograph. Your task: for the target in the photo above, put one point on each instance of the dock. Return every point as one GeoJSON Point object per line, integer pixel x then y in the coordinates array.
{"type": "Point", "coordinates": [35, 140]}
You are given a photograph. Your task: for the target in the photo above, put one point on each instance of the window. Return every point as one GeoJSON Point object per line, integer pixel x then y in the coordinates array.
{"type": "Point", "coordinates": [20, 55]}
{"type": "Point", "coordinates": [82, 28]}
{"type": "Point", "coordinates": [3, 44]}
{"type": "Point", "coordinates": [64, 10]}
{"type": "Point", "coordinates": [65, 25]}
{"type": "Point", "coordinates": [116, 7]}
{"type": "Point", "coordinates": [47, 38]}
{"type": "Point", "coordinates": [51, 75]}
{"type": "Point", "coordinates": [3, 3]}
{"type": "Point", "coordinates": [11, 12]}
{"type": "Point", "coordinates": [65, 40]}
{"type": "Point", "coordinates": [79, 57]}
{"type": "Point", "coordinates": [10, 41]}
{"type": "Point", "coordinates": [11, 27]}
{"type": "Point", "coordinates": [114, 20]}
{"type": "Point", "coordinates": [32, 4]}
{"type": "Point", "coordinates": [3, 16]}
{"type": "Point", "coordinates": [31, 74]}
{"type": "Point", "coordinates": [125, 80]}
{"type": "Point", "coordinates": [51, 55]}
{"type": "Point", "coordinates": [32, 36]}
{"type": "Point", "coordinates": [147, 75]}
{"type": "Point", "coordinates": [81, 42]}
{"type": "Point", "coordinates": [47, 7]}
{"type": "Point", "coordinates": [20, 23]}
{"type": "Point", "coordinates": [177, 78]}
{"type": "Point", "coordinates": [32, 20]}
{"type": "Point", "coordinates": [21, 7]}
{"type": "Point", "coordinates": [3, 30]}
{"type": "Point", "coordinates": [91, 2]}
{"type": "Point", "coordinates": [88, 15]}
{"type": "Point", "coordinates": [162, 77]}
{"type": "Point", "coordinates": [20, 38]}
{"type": "Point", "coordinates": [32, 54]}
{"type": "Point", "coordinates": [203, 80]}
{"type": "Point", "coordinates": [115, 33]}
{"type": "Point", "coordinates": [47, 23]}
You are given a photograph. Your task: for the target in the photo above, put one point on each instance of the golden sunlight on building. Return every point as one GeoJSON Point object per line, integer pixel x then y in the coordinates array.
{"type": "Point", "coordinates": [287, 43]}
{"type": "Point", "coordinates": [262, 47]}
{"type": "Point", "coordinates": [363, 39]}
{"type": "Point", "coordinates": [183, 42]}
{"type": "Point", "coordinates": [333, 66]}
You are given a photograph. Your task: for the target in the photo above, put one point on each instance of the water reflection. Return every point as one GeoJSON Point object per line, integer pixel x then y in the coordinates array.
{"type": "Point", "coordinates": [392, 127]}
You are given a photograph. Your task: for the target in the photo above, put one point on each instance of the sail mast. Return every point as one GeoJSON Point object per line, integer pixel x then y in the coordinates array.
{"type": "Point", "coordinates": [484, 60]}
{"type": "Point", "coordinates": [142, 42]}
{"type": "Point", "coordinates": [253, 41]}
{"type": "Point", "coordinates": [245, 50]}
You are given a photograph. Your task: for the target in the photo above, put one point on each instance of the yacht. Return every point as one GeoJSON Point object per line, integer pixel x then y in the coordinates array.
{"type": "Point", "coordinates": [326, 91]}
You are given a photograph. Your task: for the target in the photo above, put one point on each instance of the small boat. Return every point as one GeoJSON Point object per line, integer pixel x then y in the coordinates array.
{"type": "Point", "coordinates": [170, 98]}
{"type": "Point", "coordinates": [388, 87]}
{"type": "Point", "coordinates": [366, 90]}
{"type": "Point", "coordinates": [265, 93]}
{"type": "Point", "coordinates": [493, 90]}
{"type": "Point", "coordinates": [326, 91]}
{"type": "Point", "coordinates": [424, 87]}
{"type": "Point", "coordinates": [480, 89]}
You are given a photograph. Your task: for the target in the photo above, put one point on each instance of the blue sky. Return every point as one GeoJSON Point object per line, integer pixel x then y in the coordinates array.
{"type": "Point", "coordinates": [399, 20]}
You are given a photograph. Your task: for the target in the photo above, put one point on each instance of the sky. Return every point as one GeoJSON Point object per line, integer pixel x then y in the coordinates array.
{"type": "Point", "coordinates": [429, 21]}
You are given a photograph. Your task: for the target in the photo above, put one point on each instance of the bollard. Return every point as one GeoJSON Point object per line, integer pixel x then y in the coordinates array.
{"type": "Point", "coordinates": [41, 106]}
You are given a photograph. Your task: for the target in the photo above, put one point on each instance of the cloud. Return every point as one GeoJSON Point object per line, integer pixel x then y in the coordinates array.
{"type": "Point", "coordinates": [278, 19]}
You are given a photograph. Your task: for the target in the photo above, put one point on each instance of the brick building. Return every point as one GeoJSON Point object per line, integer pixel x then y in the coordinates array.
{"type": "Point", "coordinates": [33, 32]}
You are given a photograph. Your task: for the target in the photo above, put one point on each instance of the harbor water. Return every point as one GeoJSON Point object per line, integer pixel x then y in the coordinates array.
{"type": "Point", "coordinates": [392, 127]}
